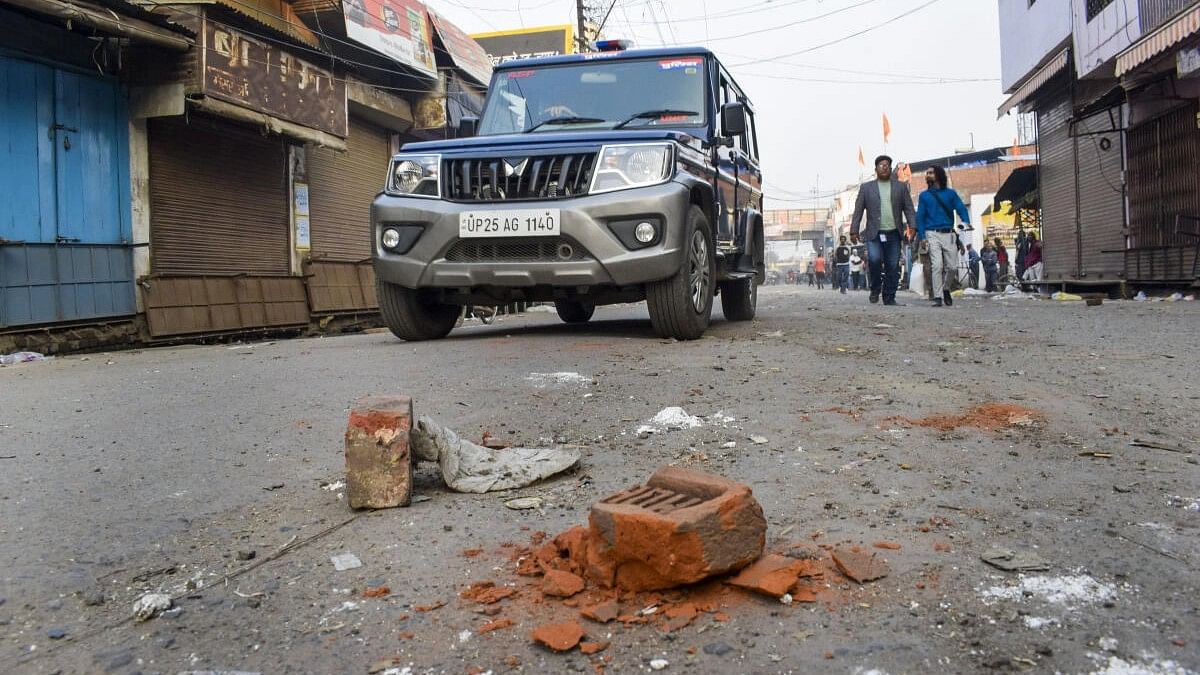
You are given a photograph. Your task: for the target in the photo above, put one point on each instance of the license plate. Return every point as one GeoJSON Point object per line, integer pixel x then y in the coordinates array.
{"type": "Point", "coordinates": [510, 223]}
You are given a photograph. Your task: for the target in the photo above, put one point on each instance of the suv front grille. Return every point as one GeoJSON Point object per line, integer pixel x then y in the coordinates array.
{"type": "Point", "coordinates": [499, 179]}
{"type": "Point", "coordinates": [548, 249]}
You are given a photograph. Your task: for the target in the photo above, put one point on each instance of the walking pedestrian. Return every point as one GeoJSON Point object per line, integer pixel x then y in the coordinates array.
{"type": "Point", "coordinates": [812, 276]}
{"type": "Point", "coordinates": [1001, 259]}
{"type": "Point", "coordinates": [972, 266]}
{"type": "Point", "coordinates": [820, 270]}
{"type": "Point", "coordinates": [841, 259]}
{"type": "Point", "coordinates": [991, 265]}
{"type": "Point", "coordinates": [856, 264]}
{"type": "Point", "coordinates": [935, 223]}
{"type": "Point", "coordinates": [888, 206]}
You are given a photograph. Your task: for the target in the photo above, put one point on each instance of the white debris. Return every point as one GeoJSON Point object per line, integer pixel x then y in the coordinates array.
{"type": "Point", "coordinates": [1038, 622]}
{"type": "Point", "coordinates": [467, 467]}
{"type": "Point", "coordinates": [1185, 503]}
{"type": "Point", "coordinates": [720, 418]}
{"type": "Point", "coordinates": [22, 357]}
{"type": "Point", "coordinates": [759, 440]}
{"type": "Point", "coordinates": [659, 664]}
{"type": "Point", "coordinates": [464, 636]}
{"type": "Point", "coordinates": [772, 334]}
{"type": "Point", "coordinates": [729, 445]}
{"type": "Point", "coordinates": [786, 599]}
{"type": "Point", "coordinates": [543, 380]}
{"type": "Point", "coordinates": [1149, 665]}
{"type": "Point", "coordinates": [524, 503]}
{"type": "Point", "coordinates": [151, 605]}
{"type": "Point", "coordinates": [1108, 644]}
{"type": "Point", "coordinates": [345, 561]}
{"type": "Point", "coordinates": [335, 486]}
{"type": "Point", "coordinates": [1069, 590]}
{"type": "Point", "coordinates": [673, 418]}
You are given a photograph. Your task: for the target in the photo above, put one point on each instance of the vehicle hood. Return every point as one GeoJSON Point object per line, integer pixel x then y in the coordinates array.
{"type": "Point", "coordinates": [550, 140]}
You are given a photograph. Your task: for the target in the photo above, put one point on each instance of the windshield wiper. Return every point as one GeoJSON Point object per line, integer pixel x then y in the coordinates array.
{"type": "Point", "coordinates": [654, 114]}
{"type": "Point", "coordinates": [565, 120]}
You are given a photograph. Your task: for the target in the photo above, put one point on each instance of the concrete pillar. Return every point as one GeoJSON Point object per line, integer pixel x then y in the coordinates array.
{"type": "Point", "coordinates": [139, 191]}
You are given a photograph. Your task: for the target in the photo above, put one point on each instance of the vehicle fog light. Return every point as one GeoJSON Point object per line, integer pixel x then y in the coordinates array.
{"type": "Point", "coordinates": [644, 233]}
{"type": "Point", "coordinates": [391, 238]}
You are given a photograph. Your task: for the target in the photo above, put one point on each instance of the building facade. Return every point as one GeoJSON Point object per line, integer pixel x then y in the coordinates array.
{"type": "Point", "coordinates": [240, 145]}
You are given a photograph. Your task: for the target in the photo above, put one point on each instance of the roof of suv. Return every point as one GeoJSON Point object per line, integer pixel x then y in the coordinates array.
{"type": "Point", "coordinates": [662, 53]}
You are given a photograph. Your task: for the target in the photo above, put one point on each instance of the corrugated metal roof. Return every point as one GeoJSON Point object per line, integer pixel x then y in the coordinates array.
{"type": "Point", "coordinates": [1035, 82]}
{"type": "Point", "coordinates": [1159, 41]}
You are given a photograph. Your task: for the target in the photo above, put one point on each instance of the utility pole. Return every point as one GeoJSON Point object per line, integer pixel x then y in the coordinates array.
{"type": "Point", "coordinates": [581, 38]}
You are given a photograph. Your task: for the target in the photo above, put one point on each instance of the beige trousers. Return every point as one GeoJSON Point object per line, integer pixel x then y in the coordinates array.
{"type": "Point", "coordinates": [943, 258]}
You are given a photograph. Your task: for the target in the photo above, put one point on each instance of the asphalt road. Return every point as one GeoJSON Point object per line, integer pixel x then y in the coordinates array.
{"type": "Point", "coordinates": [138, 471]}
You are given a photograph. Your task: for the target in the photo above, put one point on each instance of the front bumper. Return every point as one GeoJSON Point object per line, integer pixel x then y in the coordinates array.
{"type": "Point", "coordinates": [584, 221]}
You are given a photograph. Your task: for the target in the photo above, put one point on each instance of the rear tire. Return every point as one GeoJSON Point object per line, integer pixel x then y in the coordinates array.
{"type": "Point", "coordinates": [681, 307]}
{"type": "Point", "coordinates": [411, 317]}
{"type": "Point", "coordinates": [573, 311]}
{"type": "Point", "coordinates": [739, 299]}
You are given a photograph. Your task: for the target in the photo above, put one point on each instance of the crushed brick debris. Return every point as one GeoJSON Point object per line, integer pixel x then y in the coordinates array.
{"type": "Point", "coordinates": [486, 592]}
{"type": "Point", "coordinates": [988, 416]}
{"type": "Point", "coordinates": [561, 584]}
{"type": "Point", "coordinates": [860, 566]}
{"type": "Point", "coordinates": [377, 592]}
{"type": "Point", "coordinates": [498, 624]}
{"type": "Point", "coordinates": [771, 575]}
{"type": "Point", "coordinates": [887, 545]}
{"type": "Point", "coordinates": [429, 608]}
{"type": "Point", "coordinates": [560, 637]}
{"type": "Point", "coordinates": [472, 552]}
{"type": "Point", "coordinates": [593, 647]}
{"type": "Point", "coordinates": [603, 612]}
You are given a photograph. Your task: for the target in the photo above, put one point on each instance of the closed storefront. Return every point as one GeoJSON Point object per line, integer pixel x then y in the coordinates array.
{"type": "Point", "coordinates": [1098, 143]}
{"type": "Point", "coordinates": [1164, 196]}
{"type": "Point", "coordinates": [219, 229]}
{"type": "Point", "coordinates": [341, 187]}
{"type": "Point", "coordinates": [218, 199]}
{"type": "Point", "coordinates": [1057, 185]}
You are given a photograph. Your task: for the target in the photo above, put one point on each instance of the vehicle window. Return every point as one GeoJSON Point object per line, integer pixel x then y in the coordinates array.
{"type": "Point", "coordinates": [751, 135]}
{"type": "Point", "coordinates": [668, 92]}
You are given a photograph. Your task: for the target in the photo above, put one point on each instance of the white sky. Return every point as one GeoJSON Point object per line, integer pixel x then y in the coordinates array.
{"type": "Point", "coordinates": [812, 114]}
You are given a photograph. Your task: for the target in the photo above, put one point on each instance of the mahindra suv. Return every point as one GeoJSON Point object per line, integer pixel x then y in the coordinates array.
{"type": "Point", "coordinates": [590, 179]}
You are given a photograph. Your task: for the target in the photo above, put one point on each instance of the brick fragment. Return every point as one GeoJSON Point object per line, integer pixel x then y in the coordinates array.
{"type": "Point", "coordinates": [679, 528]}
{"type": "Point", "coordinates": [859, 566]}
{"type": "Point", "coordinates": [379, 463]}
{"type": "Point", "coordinates": [603, 612]}
{"type": "Point", "coordinates": [771, 575]}
{"type": "Point", "coordinates": [560, 637]}
{"type": "Point", "coordinates": [561, 584]}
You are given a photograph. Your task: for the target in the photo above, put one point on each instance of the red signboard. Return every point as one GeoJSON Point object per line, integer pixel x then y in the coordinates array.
{"type": "Point", "coordinates": [467, 54]}
{"type": "Point", "coordinates": [397, 29]}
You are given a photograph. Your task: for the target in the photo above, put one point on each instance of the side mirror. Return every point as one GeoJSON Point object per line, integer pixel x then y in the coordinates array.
{"type": "Point", "coordinates": [468, 127]}
{"type": "Point", "coordinates": [733, 119]}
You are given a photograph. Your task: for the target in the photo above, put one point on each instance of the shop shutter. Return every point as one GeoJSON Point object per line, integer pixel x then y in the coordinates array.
{"type": "Point", "coordinates": [1101, 196]}
{"type": "Point", "coordinates": [1163, 184]}
{"type": "Point", "coordinates": [218, 199]}
{"type": "Point", "coordinates": [342, 186]}
{"type": "Point", "coordinates": [1057, 184]}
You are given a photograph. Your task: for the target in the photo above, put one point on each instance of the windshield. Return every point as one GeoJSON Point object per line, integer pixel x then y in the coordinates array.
{"type": "Point", "coordinates": [597, 94]}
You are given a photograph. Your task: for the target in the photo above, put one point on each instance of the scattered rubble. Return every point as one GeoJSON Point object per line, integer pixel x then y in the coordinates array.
{"type": "Point", "coordinates": [345, 561]}
{"type": "Point", "coordinates": [1015, 561]}
{"type": "Point", "coordinates": [543, 380]}
{"type": "Point", "coordinates": [467, 467]}
{"type": "Point", "coordinates": [772, 575]}
{"type": "Point", "coordinates": [860, 565]}
{"type": "Point", "coordinates": [151, 605]}
{"type": "Point", "coordinates": [560, 637]}
{"type": "Point", "coordinates": [989, 417]}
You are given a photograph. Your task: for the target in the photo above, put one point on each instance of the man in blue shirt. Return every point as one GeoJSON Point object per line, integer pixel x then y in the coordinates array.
{"type": "Point", "coordinates": [935, 224]}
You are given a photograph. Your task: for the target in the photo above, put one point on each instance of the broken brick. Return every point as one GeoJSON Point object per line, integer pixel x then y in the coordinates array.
{"type": "Point", "coordinates": [498, 624]}
{"type": "Point", "coordinates": [889, 545]}
{"type": "Point", "coordinates": [560, 637]}
{"type": "Point", "coordinates": [679, 528]}
{"type": "Point", "coordinates": [486, 592]}
{"type": "Point", "coordinates": [861, 567]}
{"type": "Point", "coordinates": [771, 575]}
{"type": "Point", "coordinates": [561, 584]}
{"type": "Point", "coordinates": [379, 463]}
{"type": "Point", "coordinates": [602, 612]}
{"type": "Point", "coordinates": [593, 647]}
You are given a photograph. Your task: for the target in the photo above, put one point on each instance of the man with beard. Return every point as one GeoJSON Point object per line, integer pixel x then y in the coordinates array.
{"type": "Point", "coordinates": [888, 206]}
{"type": "Point", "coordinates": [935, 222]}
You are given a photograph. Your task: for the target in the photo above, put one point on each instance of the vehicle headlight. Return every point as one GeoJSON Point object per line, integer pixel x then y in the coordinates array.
{"type": "Point", "coordinates": [415, 175]}
{"type": "Point", "coordinates": [627, 166]}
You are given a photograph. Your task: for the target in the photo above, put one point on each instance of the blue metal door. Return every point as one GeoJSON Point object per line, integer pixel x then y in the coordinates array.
{"type": "Point", "coordinates": [92, 166]}
{"type": "Point", "coordinates": [65, 225]}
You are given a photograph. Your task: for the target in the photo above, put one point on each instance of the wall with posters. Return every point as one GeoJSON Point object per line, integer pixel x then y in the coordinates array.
{"type": "Point", "coordinates": [398, 29]}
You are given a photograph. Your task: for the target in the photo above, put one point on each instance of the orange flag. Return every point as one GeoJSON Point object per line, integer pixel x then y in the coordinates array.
{"type": "Point", "coordinates": [862, 161]}
{"type": "Point", "coordinates": [887, 128]}
{"type": "Point", "coordinates": [1016, 148]}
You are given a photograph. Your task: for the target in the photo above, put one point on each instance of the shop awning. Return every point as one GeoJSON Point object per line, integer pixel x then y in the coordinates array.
{"type": "Point", "coordinates": [1035, 82]}
{"type": "Point", "coordinates": [131, 22]}
{"type": "Point", "coordinates": [1020, 182]}
{"type": "Point", "coordinates": [1159, 41]}
{"type": "Point", "coordinates": [466, 53]}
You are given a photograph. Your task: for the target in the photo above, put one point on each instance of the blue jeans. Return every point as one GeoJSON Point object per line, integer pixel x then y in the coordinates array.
{"type": "Point", "coordinates": [843, 276]}
{"type": "Point", "coordinates": [884, 261]}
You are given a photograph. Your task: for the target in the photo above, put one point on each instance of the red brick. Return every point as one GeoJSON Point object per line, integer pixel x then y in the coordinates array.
{"type": "Point", "coordinates": [560, 637]}
{"type": "Point", "coordinates": [678, 528]}
{"type": "Point", "coordinates": [561, 584]}
{"type": "Point", "coordinates": [771, 575]}
{"type": "Point", "coordinates": [379, 463]}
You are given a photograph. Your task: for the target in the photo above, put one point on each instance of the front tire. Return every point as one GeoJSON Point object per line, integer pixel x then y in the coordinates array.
{"type": "Point", "coordinates": [739, 299]}
{"type": "Point", "coordinates": [681, 307]}
{"type": "Point", "coordinates": [411, 316]}
{"type": "Point", "coordinates": [572, 311]}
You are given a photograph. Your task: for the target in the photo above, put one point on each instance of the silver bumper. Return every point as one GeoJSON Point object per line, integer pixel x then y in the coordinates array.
{"type": "Point", "coordinates": [584, 220]}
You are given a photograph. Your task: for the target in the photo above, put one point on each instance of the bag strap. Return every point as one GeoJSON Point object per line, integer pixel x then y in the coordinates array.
{"type": "Point", "coordinates": [949, 211]}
